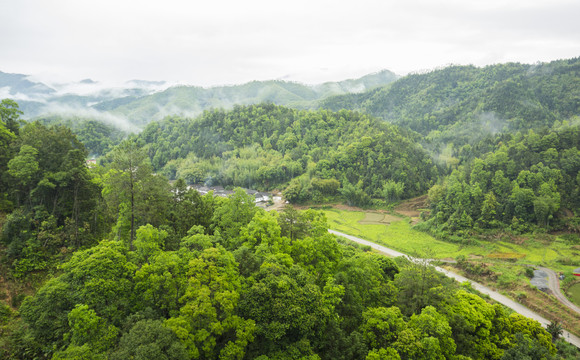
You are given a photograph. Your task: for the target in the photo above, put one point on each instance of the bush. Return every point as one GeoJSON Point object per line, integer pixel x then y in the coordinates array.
{"type": "Point", "coordinates": [530, 272]}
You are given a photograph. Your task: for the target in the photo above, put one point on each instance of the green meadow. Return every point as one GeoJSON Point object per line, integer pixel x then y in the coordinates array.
{"type": "Point", "coordinates": [546, 250]}
{"type": "Point", "coordinates": [574, 293]}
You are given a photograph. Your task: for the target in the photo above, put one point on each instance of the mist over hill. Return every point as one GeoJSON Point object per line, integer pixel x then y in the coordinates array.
{"type": "Point", "coordinates": [138, 102]}
{"type": "Point", "coordinates": [460, 105]}
{"type": "Point", "coordinates": [147, 266]}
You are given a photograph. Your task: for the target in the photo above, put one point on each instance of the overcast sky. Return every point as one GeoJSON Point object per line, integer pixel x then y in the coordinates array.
{"type": "Point", "coordinates": [216, 42]}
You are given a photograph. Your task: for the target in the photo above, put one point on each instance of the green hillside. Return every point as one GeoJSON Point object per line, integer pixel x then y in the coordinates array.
{"type": "Point", "coordinates": [459, 105]}
{"type": "Point", "coordinates": [112, 261]}
{"type": "Point", "coordinates": [193, 100]}
{"type": "Point", "coordinates": [320, 153]}
{"type": "Point", "coordinates": [528, 181]}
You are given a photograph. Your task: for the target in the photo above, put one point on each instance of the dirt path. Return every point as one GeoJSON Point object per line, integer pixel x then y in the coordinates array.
{"type": "Point", "coordinates": [554, 286]}
{"type": "Point", "coordinates": [519, 308]}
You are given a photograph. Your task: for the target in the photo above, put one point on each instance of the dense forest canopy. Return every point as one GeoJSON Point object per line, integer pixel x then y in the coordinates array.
{"type": "Point", "coordinates": [181, 276]}
{"type": "Point", "coordinates": [528, 180]}
{"type": "Point", "coordinates": [312, 155]}
{"type": "Point", "coordinates": [122, 264]}
{"type": "Point", "coordinates": [461, 104]}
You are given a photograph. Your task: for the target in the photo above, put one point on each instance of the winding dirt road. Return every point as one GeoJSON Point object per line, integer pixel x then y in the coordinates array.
{"type": "Point", "coordinates": [519, 308]}
{"type": "Point", "coordinates": [554, 286]}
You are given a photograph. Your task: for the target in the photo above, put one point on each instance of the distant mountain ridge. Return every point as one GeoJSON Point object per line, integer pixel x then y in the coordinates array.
{"type": "Point", "coordinates": [459, 104]}
{"type": "Point", "coordinates": [141, 102]}
{"type": "Point", "coordinates": [192, 100]}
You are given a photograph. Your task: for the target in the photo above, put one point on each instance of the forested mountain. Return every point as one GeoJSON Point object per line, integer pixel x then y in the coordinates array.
{"type": "Point", "coordinates": [458, 105]}
{"type": "Point", "coordinates": [38, 99]}
{"type": "Point", "coordinates": [192, 100]}
{"type": "Point", "coordinates": [320, 153]}
{"type": "Point", "coordinates": [140, 102]}
{"type": "Point", "coordinates": [118, 263]}
{"type": "Point", "coordinates": [529, 180]}
{"type": "Point", "coordinates": [20, 84]}
{"type": "Point", "coordinates": [152, 271]}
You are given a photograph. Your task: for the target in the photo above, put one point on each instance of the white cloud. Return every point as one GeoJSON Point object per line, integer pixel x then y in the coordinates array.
{"type": "Point", "coordinates": [224, 42]}
{"type": "Point", "coordinates": [120, 122]}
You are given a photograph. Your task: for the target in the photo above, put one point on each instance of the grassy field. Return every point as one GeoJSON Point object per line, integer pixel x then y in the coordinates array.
{"type": "Point", "coordinates": [546, 250]}
{"type": "Point", "coordinates": [574, 293]}
{"type": "Point", "coordinates": [397, 235]}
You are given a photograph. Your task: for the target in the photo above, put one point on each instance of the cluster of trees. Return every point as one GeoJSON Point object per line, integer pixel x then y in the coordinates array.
{"type": "Point", "coordinates": [314, 155]}
{"type": "Point", "coordinates": [47, 190]}
{"type": "Point", "coordinates": [97, 137]}
{"type": "Point", "coordinates": [159, 271]}
{"type": "Point", "coordinates": [462, 104]}
{"type": "Point", "coordinates": [247, 284]}
{"type": "Point", "coordinates": [52, 203]}
{"type": "Point", "coordinates": [527, 181]}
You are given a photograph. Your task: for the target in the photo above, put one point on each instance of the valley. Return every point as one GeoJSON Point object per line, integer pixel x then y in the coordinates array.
{"type": "Point", "coordinates": [475, 169]}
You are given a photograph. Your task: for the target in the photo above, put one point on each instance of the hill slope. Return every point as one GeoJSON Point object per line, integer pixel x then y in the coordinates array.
{"type": "Point", "coordinates": [267, 146]}
{"type": "Point", "coordinates": [461, 104]}
{"type": "Point", "coordinates": [140, 102]}
{"type": "Point", "coordinates": [193, 100]}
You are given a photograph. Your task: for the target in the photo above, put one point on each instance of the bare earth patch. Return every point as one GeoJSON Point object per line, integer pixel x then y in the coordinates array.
{"type": "Point", "coordinates": [346, 207]}
{"type": "Point", "coordinates": [412, 208]}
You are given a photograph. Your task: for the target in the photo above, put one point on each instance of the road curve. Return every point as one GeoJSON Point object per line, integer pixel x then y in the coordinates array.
{"type": "Point", "coordinates": [554, 286]}
{"type": "Point", "coordinates": [519, 308]}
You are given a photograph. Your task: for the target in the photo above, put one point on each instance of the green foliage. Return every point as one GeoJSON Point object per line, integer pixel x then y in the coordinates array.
{"type": "Point", "coordinates": [133, 191]}
{"type": "Point", "coordinates": [393, 191]}
{"type": "Point", "coordinates": [314, 155]}
{"type": "Point", "coordinates": [288, 308]}
{"type": "Point", "coordinates": [47, 181]}
{"type": "Point", "coordinates": [236, 211]}
{"type": "Point", "coordinates": [149, 242]}
{"type": "Point", "coordinates": [527, 348]}
{"type": "Point", "coordinates": [383, 354]}
{"type": "Point", "coordinates": [78, 352]}
{"type": "Point", "coordinates": [207, 324]}
{"type": "Point", "coordinates": [420, 286]}
{"type": "Point", "coordinates": [184, 276]}
{"type": "Point", "coordinates": [88, 328]}
{"type": "Point", "coordinates": [148, 340]}
{"type": "Point", "coordinates": [162, 281]}
{"type": "Point", "coordinates": [512, 186]}
{"type": "Point", "coordinates": [188, 209]}
{"type": "Point", "coordinates": [555, 329]}
{"type": "Point", "coordinates": [354, 194]}
{"type": "Point", "coordinates": [472, 320]}
{"type": "Point", "coordinates": [10, 115]}
{"type": "Point", "coordinates": [382, 326]}
{"type": "Point", "coordinates": [460, 105]}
